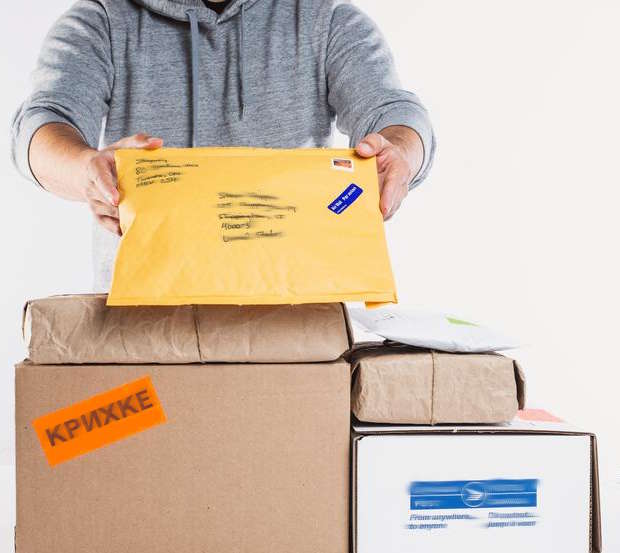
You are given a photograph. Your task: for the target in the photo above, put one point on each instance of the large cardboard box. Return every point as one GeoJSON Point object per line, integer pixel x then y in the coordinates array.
{"type": "Point", "coordinates": [524, 486]}
{"type": "Point", "coordinates": [249, 459]}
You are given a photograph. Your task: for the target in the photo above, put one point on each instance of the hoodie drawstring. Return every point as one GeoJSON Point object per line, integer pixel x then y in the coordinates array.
{"type": "Point", "coordinates": [195, 50]}
{"type": "Point", "coordinates": [242, 63]}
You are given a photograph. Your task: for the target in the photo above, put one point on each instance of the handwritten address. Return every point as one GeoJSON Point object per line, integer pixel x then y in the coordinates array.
{"type": "Point", "coordinates": [160, 171]}
{"type": "Point", "coordinates": [251, 215]}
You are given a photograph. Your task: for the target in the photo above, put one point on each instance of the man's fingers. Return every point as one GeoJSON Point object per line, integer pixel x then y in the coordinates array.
{"type": "Point", "coordinates": [394, 209]}
{"type": "Point", "coordinates": [372, 145]}
{"type": "Point", "coordinates": [105, 214]}
{"type": "Point", "coordinates": [393, 192]}
{"type": "Point", "coordinates": [102, 178]}
{"type": "Point", "coordinates": [393, 170]}
{"type": "Point", "coordinates": [151, 143]}
{"type": "Point", "coordinates": [102, 169]}
{"type": "Point", "coordinates": [140, 140]}
{"type": "Point", "coordinates": [109, 223]}
{"type": "Point", "coordinates": [102, 208]}
{"type": "Point", "coordinates": [395, 202]}
{"type": "Point", "coordinates": [381, 182]}
{"type": "Point", "coordinates": [388, 196]}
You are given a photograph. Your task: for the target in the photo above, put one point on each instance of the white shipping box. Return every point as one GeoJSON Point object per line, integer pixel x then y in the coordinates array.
{"type": "Point", "coordinates": [522, 486]}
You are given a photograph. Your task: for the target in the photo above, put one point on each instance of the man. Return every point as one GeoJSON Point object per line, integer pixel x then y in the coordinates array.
{"type": "Point", "coordinates": [270, 73]}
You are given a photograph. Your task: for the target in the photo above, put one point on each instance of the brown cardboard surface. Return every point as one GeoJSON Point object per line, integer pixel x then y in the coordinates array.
{"type": "Point", "coordinates": [413, 386]}
{"type": "Point", "coordinates": [252, 458]}
{"type": "Point", "coordinates": [82, 329]}
{"type": "Point", "coordinates": [393, 388]}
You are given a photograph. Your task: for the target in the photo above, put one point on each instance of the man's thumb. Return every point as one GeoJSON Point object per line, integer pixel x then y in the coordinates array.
{"type": "Point", "coordinates": [140, 140]}
{"type": "Point", "coordinates": [371, 145]}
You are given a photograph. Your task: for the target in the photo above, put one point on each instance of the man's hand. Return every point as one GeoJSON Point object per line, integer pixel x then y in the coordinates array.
{"type": "Point", "coordinates": [66, 166]}
{"type": "Point", "coordinates": [101, 190]}
{"type": "Point", "coordinates": [400, 154]}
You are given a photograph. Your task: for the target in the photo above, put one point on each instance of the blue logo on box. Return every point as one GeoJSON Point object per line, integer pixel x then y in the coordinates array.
{"type": "Point", "coordinates": [350, 194]}
{"type": "Point", "coordinates": [473, 494]}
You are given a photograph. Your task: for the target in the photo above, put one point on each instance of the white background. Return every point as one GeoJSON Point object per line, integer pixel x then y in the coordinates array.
{"type": "Point", "coordinates": [517, 226]}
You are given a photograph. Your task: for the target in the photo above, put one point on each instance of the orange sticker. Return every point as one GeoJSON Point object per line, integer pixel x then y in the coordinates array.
{"type": "Point", "coordinates": [99, 421]}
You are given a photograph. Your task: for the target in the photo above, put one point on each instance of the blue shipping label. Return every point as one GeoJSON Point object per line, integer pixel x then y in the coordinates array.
{"type": "Point", "coordinates": [350, 194]}
{"type": "Point", "coordinates": [473, 494]}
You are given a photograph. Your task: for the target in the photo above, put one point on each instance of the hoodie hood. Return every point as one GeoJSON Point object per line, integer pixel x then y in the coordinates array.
{"type": "Point", "coordinates": [194, 12]}
{"type": "Point", "coordinates": [177, 9]}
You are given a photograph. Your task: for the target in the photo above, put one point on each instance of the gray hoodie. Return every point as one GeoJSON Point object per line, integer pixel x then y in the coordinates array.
{"type": "Point", "coordinates": [271, 73]}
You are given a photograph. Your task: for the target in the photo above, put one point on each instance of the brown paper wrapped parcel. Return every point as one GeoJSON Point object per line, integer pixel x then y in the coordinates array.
{"type": "Point", "coordinates": [397, 384]}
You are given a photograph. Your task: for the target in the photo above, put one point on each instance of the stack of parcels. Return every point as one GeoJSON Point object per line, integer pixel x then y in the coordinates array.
{"type": "Point", "coordinates": [192, 428]}
{"type": "Point", "coordinates": [160, 425]}
{"type": "Point", "coordinates": [224, 428]}
{"type": "Point", "coordinates": [440, 463]}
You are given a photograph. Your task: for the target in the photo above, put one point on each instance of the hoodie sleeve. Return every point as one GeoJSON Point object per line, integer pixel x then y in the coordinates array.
{"type": "Point", "coordinates": [364, 89]}
{"type": "Point", "coordinates": [72, 82]}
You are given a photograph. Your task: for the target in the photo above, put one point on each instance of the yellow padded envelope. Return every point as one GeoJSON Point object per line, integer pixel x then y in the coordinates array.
{"type": "Point", "coordinates": [249, 226]}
